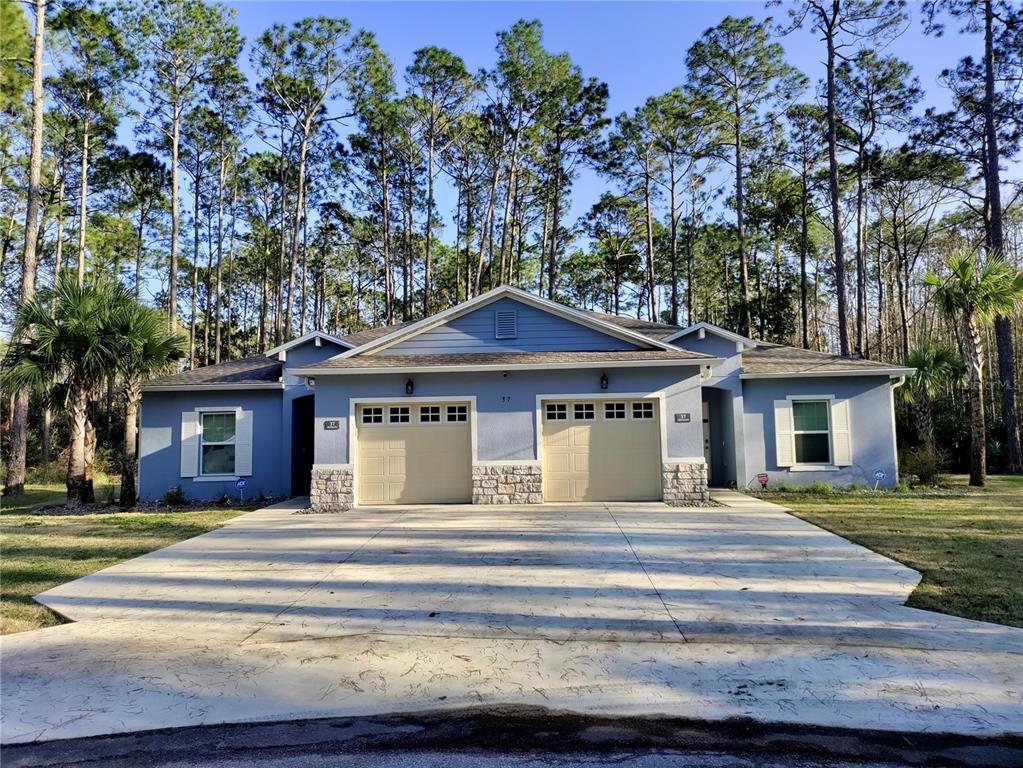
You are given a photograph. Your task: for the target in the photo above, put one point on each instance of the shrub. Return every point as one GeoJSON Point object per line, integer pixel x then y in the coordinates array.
{"type": "Point", "coordinates": [224, 500]}
{"type": "Point", "coordinates": [175, 497]}
{"type": "Point", "coordinates": [925, 464]}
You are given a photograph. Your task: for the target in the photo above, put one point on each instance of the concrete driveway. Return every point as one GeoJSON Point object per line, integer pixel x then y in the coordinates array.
{"type": "Point", "coordinates": [731, 611]}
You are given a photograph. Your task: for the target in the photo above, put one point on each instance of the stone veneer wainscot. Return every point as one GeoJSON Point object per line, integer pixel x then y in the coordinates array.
{"type": "Point", "coordinates": [684, 484]}
{"type": "Point", "coordinates": [507, 484]}
{"type": "Point", "coordinates": [331, 489]}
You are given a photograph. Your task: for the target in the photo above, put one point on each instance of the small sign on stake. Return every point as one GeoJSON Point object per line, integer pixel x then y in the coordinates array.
{"type": "Point", "coordinates": [879, 475]}
{"type": "Point", "coordinates": [240, 484]}
{"type": "Point", "coordinates": [762, 478]}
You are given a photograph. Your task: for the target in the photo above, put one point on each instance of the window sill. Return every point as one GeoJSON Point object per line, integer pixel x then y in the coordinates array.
{"type": "Point", "coordinates": [813, 468]}
{"type": "Point", "coordinates": [215, 478]}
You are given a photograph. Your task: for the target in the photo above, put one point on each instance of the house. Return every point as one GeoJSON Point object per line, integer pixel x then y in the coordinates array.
{"type": "Point", "coordinates": [510, 398]}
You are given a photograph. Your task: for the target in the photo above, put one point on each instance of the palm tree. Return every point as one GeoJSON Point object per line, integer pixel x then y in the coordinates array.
{"type": "Point", "coordinates": [935, 367]}
{"type": "Point", "coordinates": [149, 348]}
{"type": "Point", "coordinates": [972, 295]}
{"type": "Point", "coordinates": [66, 344]}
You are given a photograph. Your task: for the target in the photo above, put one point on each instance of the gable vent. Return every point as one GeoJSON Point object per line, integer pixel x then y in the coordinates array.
{"type": "Point", "coordinates": [506, 325]}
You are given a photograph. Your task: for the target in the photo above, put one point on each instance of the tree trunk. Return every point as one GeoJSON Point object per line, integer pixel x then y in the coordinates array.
{"type": "Point", "coordinates": [978, 429]}
{"type": "Point", "coordinates": [804, 225]}
{"type": "Point", "coordinates": [740, 226]}
{"type": "Point", "coordinates": [77, 417]}
{"type": "Point", "coordinates": [861, 267]}
{"type": "Point", "coordinates": [674, 242]}
{"type": "Point", "coordinates": [130, 466]}
{"type": "Point", "coordinates": [992, 184]}
{"type": "Point", "coordinates": [836, 200]}
{"type": "Point", "coordinates": [428, 258]}
{"type": "Point", "coordinates": [195, 270]}
{"type": "Point", "coordinates": [218, 283]}
{"type": "Point", "coordinates": [172, 308]}
{"type": "Point", "coordinates": [83, 195]}
{"type": "Point", "coordinates": [650, 268]}
{"type": "Point", "coordinates": [14, 483]}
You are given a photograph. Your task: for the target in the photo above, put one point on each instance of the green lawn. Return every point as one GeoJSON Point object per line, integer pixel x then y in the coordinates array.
{"type": "Point", "coordinates": [38, 552]}
{"type": "Point", "coordinates": [967, 544]}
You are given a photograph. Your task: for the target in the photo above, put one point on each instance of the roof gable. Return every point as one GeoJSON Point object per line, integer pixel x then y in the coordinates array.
{"type": "Point", "coordinates": [702, 329]}
{"type": "Point", "coordinates": [577, 331]}
{"type": "Point", "coordinates": [316, 338]}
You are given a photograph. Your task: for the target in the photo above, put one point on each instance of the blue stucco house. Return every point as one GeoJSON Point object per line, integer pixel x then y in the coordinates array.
{"type": "Point", "coordinates": [510, 398]}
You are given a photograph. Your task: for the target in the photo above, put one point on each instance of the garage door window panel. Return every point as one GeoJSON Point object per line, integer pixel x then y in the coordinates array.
{"type": "Point", "coordinates": [458, 413]}
{"type": "Point", "coordinates": [812, 431]}
{"type": "Point", "coordinates": [584, 411]}
{"type": "Point", "coordinates": [429, 414]}
{"type": "Point", "coordinates": [556, 412]}
{"type": "Point", "coordinates": [643, 411]}
{"type": "Point", "coordinates": [398, 414]}
{"type": "Point", "coordinates": [218, 444]}
{"type": "Point", "coordinates": [614, 411]}
{"type": "Point", "coordinates": [372, 415]}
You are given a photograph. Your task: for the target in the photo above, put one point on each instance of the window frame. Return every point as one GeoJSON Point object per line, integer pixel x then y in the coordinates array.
{"type": "Point", "coordinates": [431, 411]}
{"type": "Point", "coordinates": [372, 415]}
{"type": "Point", "coordinates": [559, 411]}
{"type": "Point", "coordinates": [812, 465]}
{"type": "Point", "coordinates": [642, 410]}
{"type": "Point", "coordinates": [399, 411]}
{"type": "Point", "coordinates": [202, 473]}
{"type": "Point", "coordinates": [612, 407]}
{"type": "Point", "coordinates": [456, 413]}
{"type": "Point", "coordinates": [588, 409]}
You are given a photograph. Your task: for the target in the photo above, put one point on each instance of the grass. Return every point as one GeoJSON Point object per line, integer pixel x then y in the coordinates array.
{"type": "Point", "coordinates": [968, 544]}
{"type": "Point", "coordinates": [38, 552]}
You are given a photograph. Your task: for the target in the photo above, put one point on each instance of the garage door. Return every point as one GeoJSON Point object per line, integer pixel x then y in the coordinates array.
{"type": "Point", "coordinates": [414, 454]}
{"type": "Point", "coordinates": [601, 450]}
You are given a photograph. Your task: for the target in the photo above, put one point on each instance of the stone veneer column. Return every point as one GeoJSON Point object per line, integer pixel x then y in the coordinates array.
{"type": "Point", "coordinates": [684, 484]}
{"type": "Point", "coordinates": [331, 488]}
{"type": "Point", "coordinates": [507, 484]}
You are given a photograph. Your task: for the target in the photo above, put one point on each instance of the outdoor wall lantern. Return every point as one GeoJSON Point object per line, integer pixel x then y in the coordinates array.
{"type": "Point", "coordinates": [603, 381]}
{"type": "Point", "coordinates": [410, 387]}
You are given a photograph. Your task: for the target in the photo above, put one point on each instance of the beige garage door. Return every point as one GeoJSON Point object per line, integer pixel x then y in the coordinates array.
{"type": "Point", "coordinates": [601, 450]}
{"type": "Point", "coordinates": [416, 453]}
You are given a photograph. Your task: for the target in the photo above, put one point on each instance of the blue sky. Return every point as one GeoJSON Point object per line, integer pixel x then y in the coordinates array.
{"type": "Point", "coordinates": [637, 48]}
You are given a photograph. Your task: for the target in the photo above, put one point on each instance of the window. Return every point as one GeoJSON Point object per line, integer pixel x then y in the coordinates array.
{"type": "Point", "coordinates": [429, 414]}
{"type": "Point", "coordinates": [584, 412]}
{"type": "Point", "coordinates": [372, 415]}
{"type": "Point", "coordinates": [218, 443]}
{"type": "Point", "coordinates": [458, 413]}
{"type": "Point", "coordinates": [506, 324]}
{"type": "Point", "coordinates": [557, 412]}
{"type": "Point", "coordinates": [812, 431]}
{"type": "Point", "coordinates": [642, 410]}
{"type": "Point", "coordinates": [614, 410]}
{"type": "Point", "coordinates": [398, 414]}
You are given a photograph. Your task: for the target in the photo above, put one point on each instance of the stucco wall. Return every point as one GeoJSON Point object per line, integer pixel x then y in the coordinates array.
{"type": "Point", "coordinates": [871, 429]}
{"type": "Point", "coordinates": [160, 444]}
{"type": "Point", "coordinates": [506, 406]}
{"type": "Point", "coordinates": [538, 331]}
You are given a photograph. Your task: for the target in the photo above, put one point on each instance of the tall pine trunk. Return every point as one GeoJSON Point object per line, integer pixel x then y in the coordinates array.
{"type": "Point", "coordinates": [14, 483]}
{"type": "Point", "coordinates": [130, 461]}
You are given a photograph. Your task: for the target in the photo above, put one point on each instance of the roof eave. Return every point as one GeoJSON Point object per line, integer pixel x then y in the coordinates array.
{"type": "Point", "coordinates": [893, 373]}
{"type": "Point", "coordinates": [715, 329]}
{"type": "Point", "coordinates": [213, 387]}
{"type": "Point", "coordinates": [609, 364]}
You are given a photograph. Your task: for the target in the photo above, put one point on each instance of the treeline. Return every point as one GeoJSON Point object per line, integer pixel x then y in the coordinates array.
{"type": "Point", "coordinates": [295, 181]}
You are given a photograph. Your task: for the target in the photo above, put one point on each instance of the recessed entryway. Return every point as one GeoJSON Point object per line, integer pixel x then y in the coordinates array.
{"type": "Point", "coordinates": [414, 453]}
{"type": "Point", "coordinates": [601, 450]}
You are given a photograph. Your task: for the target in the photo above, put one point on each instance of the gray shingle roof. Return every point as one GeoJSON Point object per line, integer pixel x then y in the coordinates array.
{"type": "Point", "coordinates": [646, 327]}
{"type": "Point", "coordinates": [367, 335]}
{"type": "Point", "coordinates": [499, 359]}
{"type": "Point", "coordinates": [775, 358]}
{"type": "Point", "coordinates": [248, 370]}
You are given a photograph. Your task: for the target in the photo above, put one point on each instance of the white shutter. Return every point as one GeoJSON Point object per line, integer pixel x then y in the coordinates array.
{"type": "Point", "coordinates": [189, 443]}
{"type": "Point", "coordinates": [243, 444]}
{"type": "Point", "coordinates": [840, 440]}
{"type": "Point", "coordinates": [784, 443]}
